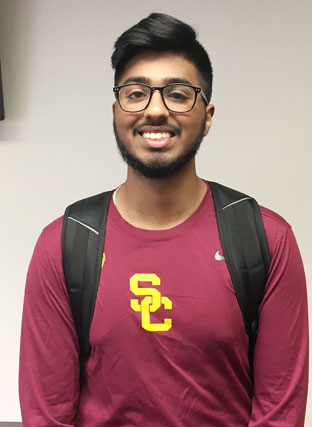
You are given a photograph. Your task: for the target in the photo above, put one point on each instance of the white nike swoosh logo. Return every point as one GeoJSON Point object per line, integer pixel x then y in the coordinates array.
{"type": "Point", "coordinates": [219, 257]}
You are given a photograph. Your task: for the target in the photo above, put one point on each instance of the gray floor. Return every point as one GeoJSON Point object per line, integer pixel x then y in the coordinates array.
{"type": "Point", "coordinates": [5, 424]}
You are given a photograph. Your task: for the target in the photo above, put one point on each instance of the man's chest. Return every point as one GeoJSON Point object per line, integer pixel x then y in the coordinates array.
{"type": "Point", "coordinates": [167, 330]}
{"type": "Point", "coordinates": [169, 288]}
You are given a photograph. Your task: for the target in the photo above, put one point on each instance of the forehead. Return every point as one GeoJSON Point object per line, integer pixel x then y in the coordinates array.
{"type": "Point", "coordinates": [159, 67]}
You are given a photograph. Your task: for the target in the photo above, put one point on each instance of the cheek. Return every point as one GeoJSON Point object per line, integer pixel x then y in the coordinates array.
{"type": "Point", "coordinates": [188, 124]}
{"type": "Point", "coordinates": [197, 122]}
{"type": "Point", "coordinates": [124, 122]}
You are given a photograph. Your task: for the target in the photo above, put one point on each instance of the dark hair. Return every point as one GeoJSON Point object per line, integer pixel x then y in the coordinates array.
{"type": "Point", "coordinates": [162, 33]}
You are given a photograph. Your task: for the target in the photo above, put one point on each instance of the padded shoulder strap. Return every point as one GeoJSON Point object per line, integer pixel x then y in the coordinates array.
{"type": "Point", "coordinates": [83, 236]}
{"type": "Point", "coordinates": [246, 252]}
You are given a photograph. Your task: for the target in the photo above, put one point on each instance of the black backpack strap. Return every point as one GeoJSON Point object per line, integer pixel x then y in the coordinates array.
{"type": "Point", "coordinates": [83, 236]}
{"type": "Point", "coordinates": [246, 252]}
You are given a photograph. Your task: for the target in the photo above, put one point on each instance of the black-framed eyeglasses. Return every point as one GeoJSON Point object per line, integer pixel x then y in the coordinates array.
{"type": "Point", "coordinates": [177, 97]}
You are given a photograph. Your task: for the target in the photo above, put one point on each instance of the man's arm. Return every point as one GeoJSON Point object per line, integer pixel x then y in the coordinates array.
{"type": "Point", "coordinates": [281, 352]}
{"type": "Point", "coordinates": [49, 363]}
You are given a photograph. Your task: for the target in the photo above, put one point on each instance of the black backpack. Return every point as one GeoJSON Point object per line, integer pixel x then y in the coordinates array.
{"type": "Point", "coordinates": [243, 242]}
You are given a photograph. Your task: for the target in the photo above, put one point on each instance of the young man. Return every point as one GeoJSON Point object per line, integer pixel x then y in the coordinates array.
{"type": "Point", "coordinates": [185, 361]}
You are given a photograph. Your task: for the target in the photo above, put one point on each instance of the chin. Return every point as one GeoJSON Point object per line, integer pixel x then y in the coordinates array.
{"type": "Point", "coordinates": [159, 168]}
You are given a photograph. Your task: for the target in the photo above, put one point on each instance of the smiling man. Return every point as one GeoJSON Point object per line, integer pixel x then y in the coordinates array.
{"type": "Point", "coordinates": [160, 118]}
{"type": "Point", "coordinates": [172, 124]}
{"type": "Point", "coordinates": [168, 342]}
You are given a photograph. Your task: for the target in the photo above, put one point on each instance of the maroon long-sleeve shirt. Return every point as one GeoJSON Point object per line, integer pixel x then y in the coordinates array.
{"type": "Point", "coordinates": [175, 352]}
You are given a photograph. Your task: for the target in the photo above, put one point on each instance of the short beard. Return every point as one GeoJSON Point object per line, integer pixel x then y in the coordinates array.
{"type": "Point", "coordinates": [159, 168]}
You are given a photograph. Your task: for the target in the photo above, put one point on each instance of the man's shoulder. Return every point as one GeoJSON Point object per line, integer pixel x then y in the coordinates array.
{"type": "Point", "coordinates": [273, 218]}
{"type": "Point", "coordinates": [49, 241]}
{"type": "Point", "coordinates": [273, 221]}
{"type": "Point", "coordinates": [53, 230]}
{"type": "Point", "coordinates": [276, 228]}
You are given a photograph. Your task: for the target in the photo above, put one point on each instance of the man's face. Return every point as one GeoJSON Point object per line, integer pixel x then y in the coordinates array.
{"type": "Point", "coordinates": [176, 136]}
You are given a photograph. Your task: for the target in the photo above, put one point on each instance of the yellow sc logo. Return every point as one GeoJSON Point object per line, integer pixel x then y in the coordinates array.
{"type": "Point", "coordinates": [150, 303]}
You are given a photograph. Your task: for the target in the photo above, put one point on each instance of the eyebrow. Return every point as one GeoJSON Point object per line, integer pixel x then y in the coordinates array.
{"type": "Point", "coordinates": [147, 81]}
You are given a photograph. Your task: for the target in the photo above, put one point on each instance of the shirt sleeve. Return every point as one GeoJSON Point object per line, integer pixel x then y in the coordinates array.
{"type": "Point", "coordinates": [281, 352]}
{"type": "Point", "coordinates": [49, 361]}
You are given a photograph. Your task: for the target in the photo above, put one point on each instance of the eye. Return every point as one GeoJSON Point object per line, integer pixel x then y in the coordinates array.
{"type": "Point", "coordinates": [136, 94]}
{"type": "Point", "coordinates": [177, 96]}
{"type": "Point", "coordinates": [178, 93]}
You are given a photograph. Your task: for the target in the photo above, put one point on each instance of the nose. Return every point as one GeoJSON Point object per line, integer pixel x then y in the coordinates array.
{"type": "Point", "coordinates": [156, 107]}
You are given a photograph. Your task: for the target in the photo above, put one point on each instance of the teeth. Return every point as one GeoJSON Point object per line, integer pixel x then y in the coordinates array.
{"type": "Point", "coordinates": [153, 135]}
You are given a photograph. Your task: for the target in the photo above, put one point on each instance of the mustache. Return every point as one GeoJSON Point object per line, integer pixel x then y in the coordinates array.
{"type": "Point", "coordinates": [160, 122]}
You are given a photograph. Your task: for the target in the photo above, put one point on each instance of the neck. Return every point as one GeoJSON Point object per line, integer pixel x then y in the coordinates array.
{"type": "Point", "coordinates": [157, 204]}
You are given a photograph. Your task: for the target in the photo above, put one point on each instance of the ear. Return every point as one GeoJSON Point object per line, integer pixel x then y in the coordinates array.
{"type": "Point", "coordinates": [210, 109]}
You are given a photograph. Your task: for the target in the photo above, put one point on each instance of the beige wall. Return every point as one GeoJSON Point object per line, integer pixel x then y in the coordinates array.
{"type": "Point", "coordinates": [57, 145]}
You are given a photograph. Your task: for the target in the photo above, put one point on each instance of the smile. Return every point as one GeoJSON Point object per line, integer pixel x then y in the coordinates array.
{"type": "Point", "coordinates": [156, 135]}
